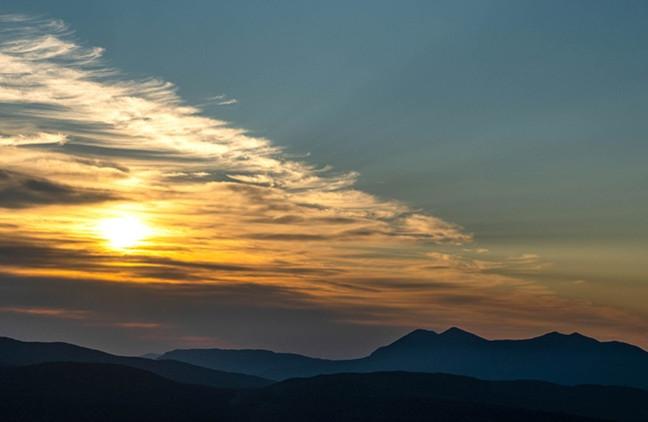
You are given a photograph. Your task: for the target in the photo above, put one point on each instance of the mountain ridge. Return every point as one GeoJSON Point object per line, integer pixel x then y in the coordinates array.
{"type": "Point", "coordinates": [19, 353]}
{"type": "Point", "coordinates": [555, 357]}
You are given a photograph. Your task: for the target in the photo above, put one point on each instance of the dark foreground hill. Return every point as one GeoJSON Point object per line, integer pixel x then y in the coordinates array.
{"type": "Point", "coordinates": [450, 391]}
{"type": "Point", "coordinates": [14, 352]}
{"type": "Point", "coordinates": [104, 392]}
{"type": "Point", "coordinates": [554, 357]}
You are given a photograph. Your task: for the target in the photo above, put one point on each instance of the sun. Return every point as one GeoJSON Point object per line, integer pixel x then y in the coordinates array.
{"type": "Point", "coordinates": [123, 232]}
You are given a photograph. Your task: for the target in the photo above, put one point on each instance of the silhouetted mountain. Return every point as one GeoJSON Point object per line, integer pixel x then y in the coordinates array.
{"type": "Point", "coordinates": [106, 392]}
{"type": "Point", "coordinates": [14, 352]}
{"type": "Point", "coordinates": [261, 363]}
{"type": "Point", "coordinates": [565, 359]}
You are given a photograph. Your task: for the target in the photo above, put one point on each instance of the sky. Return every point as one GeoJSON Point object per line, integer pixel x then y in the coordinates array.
{"type": "Point", "coordinates": [321, 177]}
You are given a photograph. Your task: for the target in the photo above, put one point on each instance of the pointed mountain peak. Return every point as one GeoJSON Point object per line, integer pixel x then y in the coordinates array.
{"type": "Point", "coordinates": [455, 331]}
{"type": "Point", "coordinates": [422, 333]}
{"type": "Point", "coordinates": [414, 338]}
{"type": "Point", "coordinates": [575, 336]}
{"type": "Point", "coordinates": [458, 333]}
{"type": "Point", "coordinates": [417, 336]}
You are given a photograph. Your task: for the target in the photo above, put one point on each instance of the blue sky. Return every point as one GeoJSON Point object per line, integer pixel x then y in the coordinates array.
{"type": "Point", "coordinates": [521, 121]}
{"type": "Point", "coordinates": [525, 113]}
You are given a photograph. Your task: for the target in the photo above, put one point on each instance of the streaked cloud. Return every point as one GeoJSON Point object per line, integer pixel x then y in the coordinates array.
{"type": "Point", "coordinates": [36, 139]}
{"type": "Point", "coordinates": [18, 190]}
{"type": "Point", "coordinates": [221, 100]}
{"type": "Point", "coordinates": [48, 312]}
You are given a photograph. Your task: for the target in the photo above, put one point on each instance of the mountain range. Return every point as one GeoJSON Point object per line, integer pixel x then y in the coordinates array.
{"type": "Point", "coordinates": [448, 376]}
{"type": "Point", "coordinates": [19, 353]}
{"type": "Point", "coordinates": [560, 358]}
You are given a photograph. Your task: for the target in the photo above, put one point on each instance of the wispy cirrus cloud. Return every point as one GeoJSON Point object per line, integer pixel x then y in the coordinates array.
{"type": "Point", "coordinates": [221, 100]}
{"type": "Point", "coordinates": [60, 84]}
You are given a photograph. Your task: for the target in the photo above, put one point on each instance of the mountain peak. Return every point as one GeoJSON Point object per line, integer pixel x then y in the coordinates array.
{"type": "Point", "coordinates": [457, 333]}
{"type": "Point", "coordinates": [420, 332]}
{"type": "Point", "coordinates": [574, 337]}
{"type": "Point", "coordinates": [421, 339]}
{"type": "Point", "coordinates": [450, 332]}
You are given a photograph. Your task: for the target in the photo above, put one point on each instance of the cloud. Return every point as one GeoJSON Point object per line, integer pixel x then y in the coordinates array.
{"type": "Point", "coordinates": [230, 101]}
{"type": "Point", "coordinates": [48, 312]}
{"type": "Point", "coordinates": [18, 190]}
{"type": "Point", "coordinates": [61, 84]}
{"type": "Point", "coordinates": [35, 139]}
{"type": "Point", "coordinates": [221, 100]}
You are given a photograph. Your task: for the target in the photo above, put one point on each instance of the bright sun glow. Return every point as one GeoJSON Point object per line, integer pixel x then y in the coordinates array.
{"type": "Point", "coordinates": [123, 232]}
